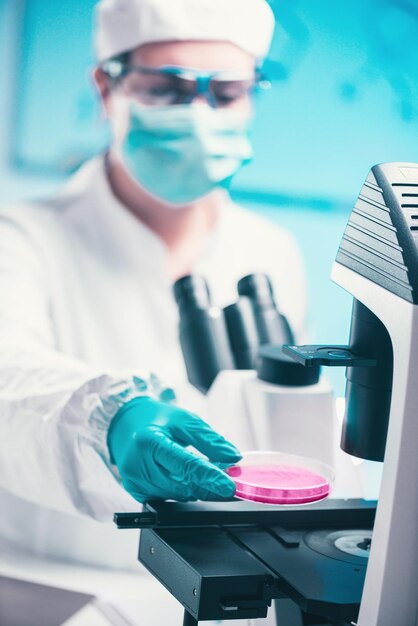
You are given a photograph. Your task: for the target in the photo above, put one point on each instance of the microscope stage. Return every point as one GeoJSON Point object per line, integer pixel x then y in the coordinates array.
{"type": "Point", "coordinates": [230, 560]}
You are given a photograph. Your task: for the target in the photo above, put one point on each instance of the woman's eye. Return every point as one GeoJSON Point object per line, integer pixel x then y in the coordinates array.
{"type": "Point", "coordinates": [225, 98]}
{"type": "Point", "coordinates": [161, 91]}
{"type": "Point", "coordinates": [231, 93]}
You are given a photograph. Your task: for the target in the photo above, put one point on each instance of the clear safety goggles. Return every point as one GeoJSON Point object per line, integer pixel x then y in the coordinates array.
{"type": "Point", "coordinates": [170, 85]}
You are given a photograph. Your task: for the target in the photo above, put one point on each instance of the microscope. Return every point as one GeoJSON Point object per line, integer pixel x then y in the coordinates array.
{"type": "Point", "coordinates": [343, 561]}
{"type": "Point", "coordinates": [377, 263]}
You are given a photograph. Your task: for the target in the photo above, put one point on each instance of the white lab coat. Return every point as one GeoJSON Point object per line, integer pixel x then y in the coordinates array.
{"type": "Point", "coordinates": [86, 313]}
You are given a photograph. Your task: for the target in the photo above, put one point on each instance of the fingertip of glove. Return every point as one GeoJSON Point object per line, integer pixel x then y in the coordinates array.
{"type": "Point", "coordinates": [230, 454]}
{"type": "Point", "coordinates": [223, 487]}
{"type": "Point", "coordinates": [229, 490]}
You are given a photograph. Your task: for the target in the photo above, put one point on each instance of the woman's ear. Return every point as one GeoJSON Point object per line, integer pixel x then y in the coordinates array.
{"type": "Point", "coordinates": [101, 83]}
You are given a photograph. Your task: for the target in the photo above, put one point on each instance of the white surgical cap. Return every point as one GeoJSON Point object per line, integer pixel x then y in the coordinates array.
{"type": "Point", "coordinates": [122, 25]}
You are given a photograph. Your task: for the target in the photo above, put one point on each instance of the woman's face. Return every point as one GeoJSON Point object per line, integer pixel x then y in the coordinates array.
{"type": "Point", "coordinates": [231, 88]}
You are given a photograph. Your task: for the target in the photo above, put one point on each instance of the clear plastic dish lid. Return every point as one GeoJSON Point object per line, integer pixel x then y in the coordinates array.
{"type": "Point", "coordinates": [279, 478]}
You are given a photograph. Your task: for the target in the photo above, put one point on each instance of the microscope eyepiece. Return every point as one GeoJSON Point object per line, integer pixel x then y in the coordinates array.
{"type": "Point", "coordinates": [203, 332]}
{"type": "Point", "coordinates": [272, 326]}
{"type": "Point", "coordinates": [257, 287]}
{"type": "Point", "coordinates": [242, 332]}
{"type": "Point", "coordinates": [192, 291]}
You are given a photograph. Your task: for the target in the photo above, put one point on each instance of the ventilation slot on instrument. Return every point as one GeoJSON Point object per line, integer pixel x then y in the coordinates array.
{"type": "Point", "coordinates": [414, 218]}
{"type": "Point", "coordinates": [410, 195]}
{"type": "Point", "coordinates": [409, 206]}
{"type": "Point", "coordinates": [404, 184]}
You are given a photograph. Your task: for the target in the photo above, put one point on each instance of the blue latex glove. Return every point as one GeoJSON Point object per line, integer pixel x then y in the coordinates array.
{"type": "Point", "coordinates": [147, 442]}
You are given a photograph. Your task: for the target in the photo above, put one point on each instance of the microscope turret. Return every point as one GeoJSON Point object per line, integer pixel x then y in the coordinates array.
{"type": "Point", "coordinates": [368, 389]}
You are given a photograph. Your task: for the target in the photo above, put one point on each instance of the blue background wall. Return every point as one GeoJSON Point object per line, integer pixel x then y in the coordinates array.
{"type": "Point", "coordinates": [345, 97]}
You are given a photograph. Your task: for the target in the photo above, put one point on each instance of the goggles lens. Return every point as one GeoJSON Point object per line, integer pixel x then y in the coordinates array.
{"type": "Point", "coordinates": [169, 86]}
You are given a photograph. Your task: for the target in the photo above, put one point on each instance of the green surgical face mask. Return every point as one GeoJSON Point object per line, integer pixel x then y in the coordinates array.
{"type": "Point", "coordinates": [181, 153]}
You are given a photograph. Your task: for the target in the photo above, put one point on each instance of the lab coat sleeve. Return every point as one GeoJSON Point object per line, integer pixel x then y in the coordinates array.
{"type": "Point", "coordinates": [54, 409]}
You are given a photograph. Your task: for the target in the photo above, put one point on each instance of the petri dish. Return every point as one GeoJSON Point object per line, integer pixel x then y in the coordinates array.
{"type": "Point", "coordinates": [280, 478]}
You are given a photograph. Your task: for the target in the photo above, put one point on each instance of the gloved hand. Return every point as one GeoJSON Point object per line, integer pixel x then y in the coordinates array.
{"type": "Point", "coordinates": [147, 442]}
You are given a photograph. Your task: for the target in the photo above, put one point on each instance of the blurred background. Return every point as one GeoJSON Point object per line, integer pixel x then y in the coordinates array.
{"type": "Point", "coordinates": [344, 97]}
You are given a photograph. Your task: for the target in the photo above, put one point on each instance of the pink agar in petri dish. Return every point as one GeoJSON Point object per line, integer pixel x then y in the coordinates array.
{"type": "Point", "coordinates": [279, 484]}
